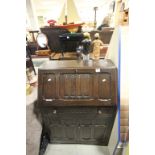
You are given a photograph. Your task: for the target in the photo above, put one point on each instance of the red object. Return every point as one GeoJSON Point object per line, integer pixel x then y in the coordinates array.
{"type": "Point", "coordinates": [68, 26]}
{"type": "Point", "coordinates": [51, 21]}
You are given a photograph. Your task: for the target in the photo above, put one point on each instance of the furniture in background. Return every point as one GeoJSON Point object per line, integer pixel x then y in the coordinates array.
{"type": "Point", "coordinates": [42, 45]}
{"type": "Point", "coordinates": [29, 62]}
{"type": "Point", "coordinates": [33, 32]}
{"type": "Point", "coordinates": [105, 36]}
{"type": "Point", "coordinates": [53, 37]}
{"type": "Point", "coordinates": [31, 43]}
{"type": "Point", "coordinates": [57, 44]}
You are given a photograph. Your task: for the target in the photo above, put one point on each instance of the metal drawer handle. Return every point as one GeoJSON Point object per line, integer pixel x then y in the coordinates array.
{"type": "Point", "coordinates": [99, 112]}
{"type": "Point", "coordinates": [48, 100]}
{"type": "Point", "coordinates": [104, 80]}
{"type": "Point", "coordinates": [49, 80]}
{"type": "Point", "coordinates": [54, 111]}
{"type": "Point", "coordinates": [105, 100]}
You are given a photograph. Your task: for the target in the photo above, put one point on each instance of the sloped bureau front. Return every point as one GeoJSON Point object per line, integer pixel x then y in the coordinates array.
{"type": "Point", "coordinates": [78, 101]}
{"type": "Point", "coordinates": [74, 88]}
{"type": "Point", "coordinates": [49, 86]}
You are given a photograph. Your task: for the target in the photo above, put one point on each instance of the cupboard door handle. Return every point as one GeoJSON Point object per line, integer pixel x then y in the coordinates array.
{"type": "Point", "coordinates": [104, 80]}
{"type": "Point", "coordinates": [104, 100]}
{"type": "Point", "coordinates": [99, 112]}
{"type": "Point", "coordinates": [49, 80]}
{"type": "Point", "coordinates": [48, 100]}
{"type": "Point", "coordinates": [54, 111]}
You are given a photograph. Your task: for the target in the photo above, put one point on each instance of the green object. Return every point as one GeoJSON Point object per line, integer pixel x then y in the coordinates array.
{"type": "Point", "coordinates": [127, 150]}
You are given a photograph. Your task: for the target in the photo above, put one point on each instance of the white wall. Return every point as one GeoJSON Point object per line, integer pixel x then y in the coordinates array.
{"type": "Point", "coordinates": [51, 9]}
{"type": "Point", "coordinates": [31, 17]}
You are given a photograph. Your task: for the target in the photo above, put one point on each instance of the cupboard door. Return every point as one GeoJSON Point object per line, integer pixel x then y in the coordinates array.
{"type": "Point", "coordinates": [49, 86]}
{"type": "Point", "coordinates": [70, 125]}
{"type": "Point", "coordinates": [70, 132]}
{"type": "Point", "coordinates": [99, 133]}
{"type": "Point", "coordinates": [57, 132]}
{"type": "Point", "coordinates": [85, 132]}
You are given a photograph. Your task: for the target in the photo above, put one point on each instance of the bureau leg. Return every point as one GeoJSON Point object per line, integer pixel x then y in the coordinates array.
{"type": "Point", "coordinates": [43, 142]}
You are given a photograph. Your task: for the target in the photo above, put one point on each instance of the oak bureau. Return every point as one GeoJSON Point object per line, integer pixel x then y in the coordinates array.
{"type": "Point", "coordinates": [78, 100]}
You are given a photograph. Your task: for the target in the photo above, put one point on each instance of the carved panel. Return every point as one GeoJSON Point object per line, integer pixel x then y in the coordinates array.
{"type": "Point", "coordinates": [104, 86]}
{"type": "Point", "coordinates": [76, 86]}
{"type": "Point", "coordinates": [79, 124]}
{"type": "Point", "coordinates": [49, 86]}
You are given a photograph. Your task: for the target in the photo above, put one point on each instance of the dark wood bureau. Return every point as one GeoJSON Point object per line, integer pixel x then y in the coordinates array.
{"type": "Point", "coordinates": [78, 101]}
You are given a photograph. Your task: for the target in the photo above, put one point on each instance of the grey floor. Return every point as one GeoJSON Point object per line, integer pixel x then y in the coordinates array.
{"type": "Point", "coordinates": [33, 127]}
{"type": "Point", "coordinates": [68, 149]}
{"type": "Point", "coordinates": [33, 131]}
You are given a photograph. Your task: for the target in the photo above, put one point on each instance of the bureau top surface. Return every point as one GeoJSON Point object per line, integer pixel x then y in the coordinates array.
{"type": "Point", "coordinates": [77, 64]}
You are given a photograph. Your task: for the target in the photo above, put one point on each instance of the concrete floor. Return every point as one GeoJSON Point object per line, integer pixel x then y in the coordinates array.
{"type": "Point", "coordinates": [69, 149]}
{"type": "Point", "coordinates": [34, 132]}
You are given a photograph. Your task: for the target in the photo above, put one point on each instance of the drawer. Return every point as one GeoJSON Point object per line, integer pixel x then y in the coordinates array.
{"type": "Point", "coordinates": [69, 115]}
{"type": "Point", "coordinates": [81, 114]}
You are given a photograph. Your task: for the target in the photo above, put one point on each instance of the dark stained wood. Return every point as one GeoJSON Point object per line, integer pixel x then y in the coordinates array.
{"type": "Point", "coordinates": [49, 81]}
{"type": "Point", "coordinates": [78, 83]}
{"type": "Point", "coordinates": [77, 64]}
{"type": "Point", "coordinates": [82, 125]}
{"type": "Point", "coordinates": [78, 100]}
{"type": "Point", "coordinates": [105, 35]}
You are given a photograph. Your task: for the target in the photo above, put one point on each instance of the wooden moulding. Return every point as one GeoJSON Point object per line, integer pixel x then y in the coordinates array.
{"type": "Point", "coordinates": [67, 56]}
{"type": "Point", "coordinates": [46, 52]}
